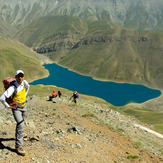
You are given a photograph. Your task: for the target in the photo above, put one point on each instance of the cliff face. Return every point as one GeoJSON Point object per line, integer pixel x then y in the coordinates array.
{"type": "Point", "coordinates": [140, 15]}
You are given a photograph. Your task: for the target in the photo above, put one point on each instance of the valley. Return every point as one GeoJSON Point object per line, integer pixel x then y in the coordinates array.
{"type": "Point", "coordinates": [108, 40]}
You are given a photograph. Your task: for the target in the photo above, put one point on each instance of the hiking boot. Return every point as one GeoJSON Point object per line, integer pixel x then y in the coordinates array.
{"type": "Point", "coordinates": [20, 151]}
{"type": "Point", "coordinates": [25, 136]}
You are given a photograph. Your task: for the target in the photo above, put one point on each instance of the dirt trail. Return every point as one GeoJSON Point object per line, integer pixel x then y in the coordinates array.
{"type": "Point", "coordinates": [148, 130]}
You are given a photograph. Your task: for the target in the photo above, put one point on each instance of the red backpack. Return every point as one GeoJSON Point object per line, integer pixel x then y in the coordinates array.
{"type": "Point", "coordinates": [7, 82]}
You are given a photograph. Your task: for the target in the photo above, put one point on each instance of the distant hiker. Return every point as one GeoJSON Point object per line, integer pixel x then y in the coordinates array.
{"type": "Point", "coordinates": [59, 93]}
{"type": "Point", "coordinates": [75, 96]}
{"type": "Point", "coordinates": [17, 93]}
{"type": "Point", "coordinates": [53, 95]}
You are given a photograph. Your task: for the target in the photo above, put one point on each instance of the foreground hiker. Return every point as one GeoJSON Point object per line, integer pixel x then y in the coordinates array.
{"type": "Point", "coordinates": [75, 96]}
{"type": "Point", "coordinates": [53, 95]}
{"type": "Point", "coordinates": [17, 93]}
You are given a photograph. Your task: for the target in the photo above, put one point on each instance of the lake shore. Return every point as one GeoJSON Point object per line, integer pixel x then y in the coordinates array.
{"type": "Point", "coordinates": [107, 80]}
{"type": "Point", "coordinates": [153, 103]}
{"type": "Point", "coordinates": [115, 87]}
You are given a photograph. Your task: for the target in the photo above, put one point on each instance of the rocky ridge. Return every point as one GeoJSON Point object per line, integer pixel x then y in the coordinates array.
{"type": "Point", "coordinates": [87, 132]}
{"type": "Point", "coordinates": [69, 45]}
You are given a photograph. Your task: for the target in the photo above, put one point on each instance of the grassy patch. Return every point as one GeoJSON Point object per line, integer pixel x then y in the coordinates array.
{"type": "Point", "coordinates": [102, 123]}
{"type": "Point", "coordinates": [133, 157]}
{"type": "Point", "coordinates": [150, 117]}
{"type": "Point", "coordinates": [119, 131]}
{"type": "Point", "coordinates": [137, 145]}
{"type": "Point", "coordinates": [90, 115]}
{"type": "Point", "coordinates": [159, 127]}
{"type": "Point", "coordinates": [78, 146]}
{"type": "Point", "coordinates": [54, 114]}
{"type": "Point", "coordinates": [14, 56]}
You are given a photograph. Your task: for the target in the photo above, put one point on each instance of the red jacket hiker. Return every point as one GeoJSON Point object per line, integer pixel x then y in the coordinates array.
{"type": "Point", "coordinates": [53, 95]}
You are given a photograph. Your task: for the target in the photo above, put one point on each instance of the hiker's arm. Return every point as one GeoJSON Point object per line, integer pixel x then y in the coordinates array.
{"type": "Point", "coordinates": [26, 86]}
{"type": "Point", "coordinates": [27, 89]}
{"type": "Point", "coordinates": [7, 94]}
{"type": "Point", "coordinates": [3, 100]}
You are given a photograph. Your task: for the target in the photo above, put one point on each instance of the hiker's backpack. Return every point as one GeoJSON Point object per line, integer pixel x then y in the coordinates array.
{"type": "Point", "coordinates": [59, 93]}
{"type": "Point", "coordinates": [76, 95]}
{"type": "Point", "coordinates": [7, 82]}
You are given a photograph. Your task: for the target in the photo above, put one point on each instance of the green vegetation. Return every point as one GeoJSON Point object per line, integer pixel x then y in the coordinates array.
{"type": "Point", "coordinates": [159, 127]}
{"type": "Point", "coordinates": [120, 131]}
{"type": "Point", "coordinates": [137, 145]}
{"type": "Point", "coordinates": [54, 114]}
{"type": "Point", "coordinates": [78, 146]}
{"type": "Point", "coordinates": [90, 115]}
{"type": "Point", "coordinates": [102, 123]}
{"type": "Point", "coordinates": [151, 117]}
{"type": "Point", "coordinates": [131, 156]}
{"type": "Point", "coordinates": [7, 29]}
{"type": "Point", "coordinates": [143, 115]}
{"type": "Point", "coordinates": [14, 56]}
{"type": "Point", "coordinates": [99, 48]}
{"type": "Point", "coordinates": [50, 28]}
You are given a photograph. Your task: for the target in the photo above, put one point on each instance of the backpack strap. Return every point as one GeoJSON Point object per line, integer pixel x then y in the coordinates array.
{"type": "Point", "coordinates": [15, 92]}
{"type": "Point", "coordinates": [19, 104]}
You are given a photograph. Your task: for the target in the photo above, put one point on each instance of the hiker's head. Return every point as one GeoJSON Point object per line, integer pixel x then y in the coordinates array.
{"type": "Point", "coordinates": [75, 92]}
{"type": "Point", "coordinates": [19, 76]}
{"type": "Point", "coordinates": [53, 90]}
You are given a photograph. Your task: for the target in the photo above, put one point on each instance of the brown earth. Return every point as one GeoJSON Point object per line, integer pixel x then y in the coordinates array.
{"type": "Point", "coordinates": [86, 132]}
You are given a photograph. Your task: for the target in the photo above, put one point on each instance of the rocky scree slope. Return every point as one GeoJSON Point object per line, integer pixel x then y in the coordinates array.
{"type": "Point", "coordinates": [87, 132]}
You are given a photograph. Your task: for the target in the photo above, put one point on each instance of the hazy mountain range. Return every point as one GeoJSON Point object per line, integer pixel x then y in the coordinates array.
{"type": "Point", "coordinates": [142, 15]}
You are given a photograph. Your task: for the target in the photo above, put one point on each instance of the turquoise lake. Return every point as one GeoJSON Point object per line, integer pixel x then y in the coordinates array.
{"type": "Point", "coordinates": [118, 94]}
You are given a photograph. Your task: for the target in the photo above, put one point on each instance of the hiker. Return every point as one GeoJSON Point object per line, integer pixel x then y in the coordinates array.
{"type": "Point", "coordinates": [17, 92]}
{"type": "Point", "coordinates": [53, 95]}
{"type": "Point", "coordinates": [75, 96]}
{"type": "Point", "coordinates": [59, 93]}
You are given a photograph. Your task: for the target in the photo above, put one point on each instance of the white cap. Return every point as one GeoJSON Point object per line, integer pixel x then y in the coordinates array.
{"type": "Point", "coordinates": [19, 71]}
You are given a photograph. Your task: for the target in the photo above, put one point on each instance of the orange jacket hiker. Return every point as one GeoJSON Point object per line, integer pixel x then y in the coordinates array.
{"type": "Point", "coordinates": [54, 94]}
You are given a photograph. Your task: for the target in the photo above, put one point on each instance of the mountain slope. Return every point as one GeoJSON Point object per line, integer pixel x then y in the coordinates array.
{"type": "Point", "coordinates": [86, 132]}
{"type": "Point", "coordinates": [7, 29]}
{"type": "Point", "coordinates": [99, 49]}
{"type": "Point", "coordinates": [45, 29]}
{"type": "Point", "coordinates": [14, 56]}
{"type": "Point", "coordinates": [142, 15]}
{"type": "Point", "coordinates": [131, 57]}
